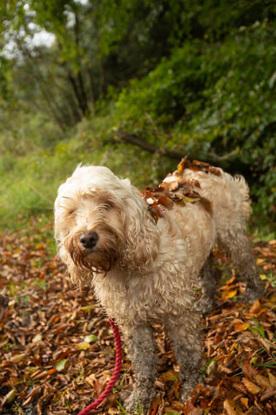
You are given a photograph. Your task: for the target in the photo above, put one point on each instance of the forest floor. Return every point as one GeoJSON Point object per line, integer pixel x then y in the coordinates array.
{"type": "Point", "coordinates": [56, 348]}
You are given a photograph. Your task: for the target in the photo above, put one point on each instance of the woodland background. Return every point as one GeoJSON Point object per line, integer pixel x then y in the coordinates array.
{"type": "Point", "coordinates": [134, 85]}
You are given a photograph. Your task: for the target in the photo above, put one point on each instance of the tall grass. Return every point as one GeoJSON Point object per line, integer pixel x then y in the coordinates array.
{"type": "Point", "coordinates": [29, 182]}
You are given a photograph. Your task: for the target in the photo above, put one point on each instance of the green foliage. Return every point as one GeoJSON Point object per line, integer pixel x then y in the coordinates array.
{"type": "Point", "coordinates": [29, 182]}
{"type": "Point", "coordinates": [214, 100]}
{"type": "Point", "coordinates": [166, 93]}
{"type": "Point", "coordinates": [187, 76]}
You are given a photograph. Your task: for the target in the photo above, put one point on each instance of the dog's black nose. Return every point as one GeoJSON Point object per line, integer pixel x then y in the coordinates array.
{"type": "Point", "coordinates": [89, 240]}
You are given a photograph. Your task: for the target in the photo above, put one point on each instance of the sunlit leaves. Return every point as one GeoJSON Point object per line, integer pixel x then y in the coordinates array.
{"type": "Point", "coordinates": [57, 353]}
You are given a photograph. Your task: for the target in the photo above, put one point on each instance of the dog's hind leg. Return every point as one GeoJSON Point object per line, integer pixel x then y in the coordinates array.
{"type": "Point", "coordinates": [142, 353]}
{"type": "Point", "coordinates": [239, 248]}
{"type": "Point", "coordinates": [209, 278]}
{"type": "Point", "coordinates": [186, 337]}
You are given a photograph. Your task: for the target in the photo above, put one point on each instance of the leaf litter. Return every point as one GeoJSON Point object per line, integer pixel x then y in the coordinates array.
{"type": "Point", "coordinates": [57, 352]}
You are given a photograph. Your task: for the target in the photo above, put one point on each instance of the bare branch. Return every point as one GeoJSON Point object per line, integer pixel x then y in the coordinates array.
{"type": "Point", "coordinates": [132, 138]}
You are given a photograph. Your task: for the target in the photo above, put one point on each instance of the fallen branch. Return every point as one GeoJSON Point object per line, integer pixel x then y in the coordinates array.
{"type": "Point", "coordinates": [135, 139]}
{"type": "Point", "coordinates": [132, 138]}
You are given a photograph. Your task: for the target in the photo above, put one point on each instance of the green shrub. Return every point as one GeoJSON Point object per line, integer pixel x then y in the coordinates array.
{"type": "Point", "coordinates": [29, 183]}
{"type": "Point", "coordinates": [213, 101]}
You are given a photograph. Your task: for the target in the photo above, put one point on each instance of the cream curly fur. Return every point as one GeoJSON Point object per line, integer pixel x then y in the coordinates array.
{"type": "Point", "coordinates": [145, 272]}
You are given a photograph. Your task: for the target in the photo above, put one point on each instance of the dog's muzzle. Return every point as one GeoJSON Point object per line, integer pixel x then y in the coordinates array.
{"type": "Point", "coordinates": [96, 250]}
{"type": "Point", "coordinates": [89, 240]}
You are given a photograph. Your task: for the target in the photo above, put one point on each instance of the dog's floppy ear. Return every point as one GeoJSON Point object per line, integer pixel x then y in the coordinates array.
{"type": "Point", "coordinates": [142, 236]}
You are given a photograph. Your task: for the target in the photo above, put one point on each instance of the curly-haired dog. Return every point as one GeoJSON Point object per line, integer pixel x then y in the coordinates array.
{"type": "Point", "coordinates": [145, 255]}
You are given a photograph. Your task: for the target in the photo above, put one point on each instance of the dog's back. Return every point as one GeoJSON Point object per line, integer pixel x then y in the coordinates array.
{"type": "Point", "coordinates": [229, 197]}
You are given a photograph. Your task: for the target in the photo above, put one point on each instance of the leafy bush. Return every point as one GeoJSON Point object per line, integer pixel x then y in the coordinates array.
{"type": "Point", "coordinates": [214, 101]}
{"type": "Point", "coordinates": [211, 99]}
{"type": "Point", "coordinates": [29, 183]}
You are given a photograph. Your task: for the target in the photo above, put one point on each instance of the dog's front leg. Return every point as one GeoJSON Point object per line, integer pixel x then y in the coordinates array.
{"type": "Point", "coordinates": [185, 333]}
{"type": "Point", "coordinates": [142, 353]}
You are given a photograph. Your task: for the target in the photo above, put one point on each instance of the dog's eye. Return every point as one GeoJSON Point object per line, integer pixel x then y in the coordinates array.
{"type": "Point", "coordinates": [71, 212]}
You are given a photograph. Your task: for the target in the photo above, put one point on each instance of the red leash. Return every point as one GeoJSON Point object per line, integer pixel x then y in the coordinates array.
{"type": "Point", "coordinates": [116, 371]}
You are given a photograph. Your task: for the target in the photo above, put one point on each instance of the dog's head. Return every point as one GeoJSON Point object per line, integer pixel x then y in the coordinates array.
{"type": "Point", "coordinates": [97, 218]}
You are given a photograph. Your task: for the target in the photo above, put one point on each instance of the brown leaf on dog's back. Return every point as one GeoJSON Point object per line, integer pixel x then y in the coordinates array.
{"type": "Point", "coordinates": [156, 211]}
{"type": "Point", "coordinates": [165, 201]}
{"type": "Point", "coordinates": [171, 183]}
{"type": "Point", "coordinates": [181, 166]}
{"type": "Point", "coordinates": [200, 163]}
{"type": "Point", "coordinates": [215, 170]}
{"type": "Point", "coordinates": [184, 181]}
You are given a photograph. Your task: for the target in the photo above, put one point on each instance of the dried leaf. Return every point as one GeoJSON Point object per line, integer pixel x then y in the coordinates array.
{"type": "Point", "coordinates": [165, 201]}
{"type": "Point", "coordinates": [18, 358]}
{"type": "Point", "coordinates": [37, 338]}
{"type": "Point", "coordinates": [250, 386]}
{"type": "Point", "coordinates": [255, 308]}
{"type": "Point", "coordinates": [155, 406]}
{"type": "Point", "coordinates": [269, 393]}
{"type": "Point", "coordinates": [32, 395]}
{"type": "Point", "coordinates": [60, 365]}
{"type": "Point", "coordinates": [91, 338]}
{"type": "Point", "coordinates": [88, 308]}
{"type": "Point", "coordinates": [83, 346]}
{"type": "Point", "coordinates": [248, 370]}
{"type": "Point", "coordinates": [229, 407]}
{"type": "Point", "coordinates": [229, 294]}
{"type": "Point", "coordinates": [9, 397]}
{"type": "Point", "coordinates": [272, 379]}
{"type": "Point", "coordinates": [169, 376]}
{"type": "Point", "coordinates": [150, 201]}
{"type": "Point", "coordinates": [262, 381]}
{"type": "Point", "coordinates": [241, 326]}
{"type": "Point", "coordinates": [181, 166]}
{"type": "Point", "coordinates": [244, 402]}
{"type": "Point", "coordinates": [211, 366]}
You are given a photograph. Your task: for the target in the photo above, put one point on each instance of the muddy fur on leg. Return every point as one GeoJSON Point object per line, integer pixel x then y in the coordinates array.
{"type": "Point", "coordinates": [237, 245]}
{"type": "Point", "coordinates": [142, 353]}
{"type": "Point", "coordinates": [210, 277]}
{"type": "Point", "coordinates": [186, 334]}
